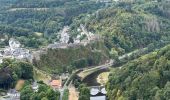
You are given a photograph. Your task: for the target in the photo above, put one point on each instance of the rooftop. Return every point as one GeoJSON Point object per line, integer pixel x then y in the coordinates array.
{"type": "Point", "coordinates": [94, 91]}
{"type": "Point", "coordinates": [98, 98]}
{"type": "Point", "coordinates": [56, 83]}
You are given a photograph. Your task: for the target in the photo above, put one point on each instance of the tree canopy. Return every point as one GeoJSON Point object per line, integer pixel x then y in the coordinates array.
{"type": "Point", "coordinates": [144, 78]}
{"type": "Point", "coordinates": [11, 71]}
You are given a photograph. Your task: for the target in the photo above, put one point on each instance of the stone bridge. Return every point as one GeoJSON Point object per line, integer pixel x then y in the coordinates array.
{"type": "Point", "coordinates": [88, 71]}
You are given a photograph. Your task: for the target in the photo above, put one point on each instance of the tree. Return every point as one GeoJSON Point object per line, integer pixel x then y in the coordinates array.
{"type": "Point", "coordinates": [84, 97]}
{"type": "Point", "coordinates": [44, 92]}
{"type": "Point", "coordinates": [84, 92]}
{"type": "Point", "coordinates": [114, 54]}
{"type": "Point", "coordinates": [42, 88]}
{"type": "Point", "coordinates": [52, 95]}
{"type": "Point", "coordinates": [66, 95]}
{"type": "Point", "coordinates": [27, 70]}
{"type": "Point", "coordinates": [35, 96]}
{"type": "Point", "coordinates": [44, 98]}
{"type": "Point", "coordinates": [167, 91]}
{"type": "Point", "coordinates": [26, 93]}
{"type": "Point", "coordinates": [146, 77]}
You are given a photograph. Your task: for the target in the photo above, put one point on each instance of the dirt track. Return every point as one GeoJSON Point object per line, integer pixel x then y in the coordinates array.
{"type": "Point", "coordinates": [73, 95]}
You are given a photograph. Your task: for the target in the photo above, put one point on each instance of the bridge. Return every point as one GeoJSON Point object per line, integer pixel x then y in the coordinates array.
{"type": "Point", "coordinates": [88, 71]}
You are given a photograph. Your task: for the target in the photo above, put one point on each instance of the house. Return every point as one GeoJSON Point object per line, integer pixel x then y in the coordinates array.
{"type": "Point", "coordinates": [14, 50]}
{"type": "Point", "coordinates": [56, 84]}
{"type": "Point", "coordinates": [98, 98]}
{"type": "Point", "coordinates": [14, 94]}
{"type": "Point", "coordinates": [65, 35]}
{"type": "Point", "coordinates": [14, 43]}
{"type": "Point", "coordinates": [98, 93]}
{"type": "Point", "coordinates": [35, 86]}
{"type": "Point", "coordinates": [94, 91]}
{"type": "Point", "coordinates": [64, 75]}
{"type": "Point", "coordinates": [103, 91]}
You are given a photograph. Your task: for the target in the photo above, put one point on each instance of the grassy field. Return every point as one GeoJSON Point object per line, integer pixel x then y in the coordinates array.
{"type": "Point", "coordinates": [41, 76]}
{"type": "Point", "coordinates": [103, 78]}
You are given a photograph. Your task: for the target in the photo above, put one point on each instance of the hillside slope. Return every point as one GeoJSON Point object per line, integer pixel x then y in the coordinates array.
{"type": "Point", "coordinates": [22, 19]}
{"type": "Point", "coordinates": [130, 24]}
{"type": "Point", "coordinates": [62, 60]}
{"type": "Point", "coordinates": [146, 78]}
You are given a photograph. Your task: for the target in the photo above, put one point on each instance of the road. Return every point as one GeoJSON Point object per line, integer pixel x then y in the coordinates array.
{"type": "Point", "coordinates": [65, 86]}
{"type": "Point", "coordinates": [73, 95]}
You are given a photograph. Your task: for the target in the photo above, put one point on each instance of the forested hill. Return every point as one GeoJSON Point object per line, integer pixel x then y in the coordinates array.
{"type": "Point", "coordinates": [37, 22]}
{"type": "Point", "coordinates": [146, 78]}
{"type": "Point", "coordinates": [131, 24]}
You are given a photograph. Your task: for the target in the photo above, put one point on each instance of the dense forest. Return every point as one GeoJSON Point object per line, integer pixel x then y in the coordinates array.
{"type": "Point", "coordinates": [145, 78]}
{"type": "Point", "coordinates": [126, 25]}
{"type": "Point", "coordinates": [11, 71]}
{"type": "Point", "coordinates": [130, 24]}
{"type": "Point", "coordinates": [37, 22]}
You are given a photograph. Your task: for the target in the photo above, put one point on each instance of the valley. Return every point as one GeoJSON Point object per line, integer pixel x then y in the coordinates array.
{"type": "Point", "coordinates": [84, 49]}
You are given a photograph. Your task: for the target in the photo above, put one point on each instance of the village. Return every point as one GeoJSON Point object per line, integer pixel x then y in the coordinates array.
{"type": "Point", "coordinates": [65, 37]}
{"type": "Point", "coordinates": [15, 50]}
{"type": "Point", "coordinates": [63, 81]}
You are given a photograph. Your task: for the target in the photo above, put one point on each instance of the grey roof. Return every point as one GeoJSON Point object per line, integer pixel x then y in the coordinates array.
{"type": "Point", "coordinates": [94, 91]}
{"type": "Point", "coordinates": [103, 90]}
{"type": "Point", "coordinates": [98, 98]}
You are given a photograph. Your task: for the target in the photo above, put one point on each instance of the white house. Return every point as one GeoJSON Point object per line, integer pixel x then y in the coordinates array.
{"type": "Point", "coordinates": [98, 98]}
{"type": "Point", "coordinates": [64, 35]}
{"type": "Point", "coordinates": [15, 51]}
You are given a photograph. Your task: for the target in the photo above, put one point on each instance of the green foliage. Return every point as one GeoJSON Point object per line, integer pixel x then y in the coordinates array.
{"type": "Point", "coordinates": [84, 92]}
{"type": "Point", "coordinates": [12, 70]}
{"type": "Point", "coordinates": [81, 63]}
{"type": "Point", "coordinates": [44, 93]}
{"type": "Point", "coordinates": [66, 95]}
{"type": "Point", "coordinates": [129, 25]}
{"type": "Point", "coordinates": [62, 60]}
{"type": "Point", "coordinates": [26, 93]}
{"type": "Point", "coordinates": [52, 95]}
{"type": "Point", "coordinates": [22, 18]}
{"type": "Point", "coordinates": [144, 78]}
{"type": "Point", "coordinates": [23, 70]}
